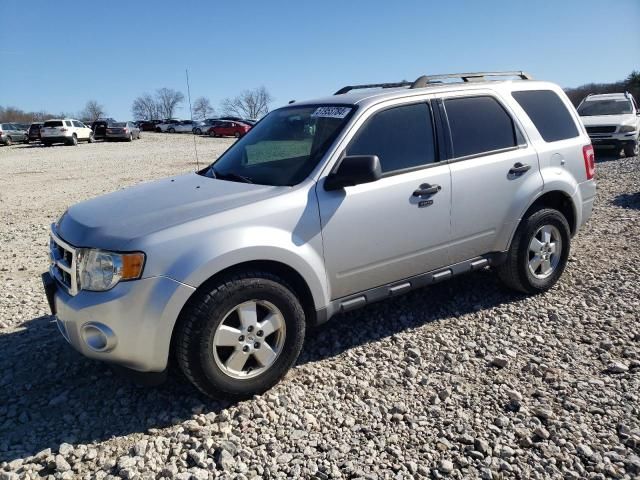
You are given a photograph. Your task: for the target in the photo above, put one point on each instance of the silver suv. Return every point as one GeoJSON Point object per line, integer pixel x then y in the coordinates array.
{"type": "Point", "coordinates": [323, 207]}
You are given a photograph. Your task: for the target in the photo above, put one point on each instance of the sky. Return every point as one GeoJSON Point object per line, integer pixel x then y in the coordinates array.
{"type": "Point", "coordinates": [58, 55]}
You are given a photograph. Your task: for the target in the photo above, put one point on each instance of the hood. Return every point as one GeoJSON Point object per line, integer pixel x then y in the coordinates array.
{"type": "Point", "coordinates": [113, 220]}
{"type": "Point", "coordinates": [601, 120]}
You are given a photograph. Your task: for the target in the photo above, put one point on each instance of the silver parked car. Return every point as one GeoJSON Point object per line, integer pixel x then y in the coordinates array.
{"type": "Point", "coordinates": [128, 131]}
{"type": "Point", "coordinates": [325, 206]}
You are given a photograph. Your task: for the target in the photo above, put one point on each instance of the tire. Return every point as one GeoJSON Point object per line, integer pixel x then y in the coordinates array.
{"type": "Point", "coordinates": [516, 272]}
{"type": "Point", "coordinates": [46, 144]}
{"type": "Point", "coordinates": [91, 139]}
{"type": "Point", "coordinates": [138, 136]}
{"type": "Point", "coordinates": [208, 367]}
{"type": "Point", "coordinates": [130, 139]}
{"type": "Point", "coordinates": [158, 130]}
{"type": "Point", "coordinates": [74, 140]}
{"type": "Point", "coordinates": [211, 134]}
{"type": "Point", "coordinates": [198, 131]}
{"type": "Point", "coordinates": [237, 134]}
{"type": "Point", "coordinates": [172, 130]}
{"type": "Point", "coordinates": [8, 141]}
{"type": "Point", "coordinates": [632, 150]}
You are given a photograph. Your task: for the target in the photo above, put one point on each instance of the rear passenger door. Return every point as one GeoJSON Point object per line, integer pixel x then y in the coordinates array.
{"type": "Point", "coordinates": [494, 173]}
{"type": "Point", "coordinates": [381, 232]}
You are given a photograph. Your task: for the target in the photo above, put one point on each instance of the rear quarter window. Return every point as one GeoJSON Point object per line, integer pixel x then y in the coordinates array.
{"type": "Point", "coordinates": [548, 113]}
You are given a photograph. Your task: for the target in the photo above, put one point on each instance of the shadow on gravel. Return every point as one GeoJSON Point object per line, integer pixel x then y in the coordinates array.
{"type": "Point", "coordinates": [628, 200]}
{"type": "Point", "coordinates": [607, 155]}
{"type": "Point", "coordinates": [50, 394]}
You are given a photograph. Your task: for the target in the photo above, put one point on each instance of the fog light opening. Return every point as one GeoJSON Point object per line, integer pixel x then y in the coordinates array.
{"type": "Point", "coordinates": [98, 337]}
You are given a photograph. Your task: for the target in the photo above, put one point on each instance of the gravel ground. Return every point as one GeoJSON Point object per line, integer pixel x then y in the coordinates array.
{"type": "Point", "coordinates": [460, 380]}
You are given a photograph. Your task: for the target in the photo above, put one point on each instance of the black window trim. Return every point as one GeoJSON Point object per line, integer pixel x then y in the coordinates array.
{"type": "Point", "coordinates": [447, 128]}
{"type": "Point", "coordinates": [440, 159]}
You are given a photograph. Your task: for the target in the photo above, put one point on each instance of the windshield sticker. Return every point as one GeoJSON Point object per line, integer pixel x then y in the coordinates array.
{"type": "Point", "coordinates": [331, 112]}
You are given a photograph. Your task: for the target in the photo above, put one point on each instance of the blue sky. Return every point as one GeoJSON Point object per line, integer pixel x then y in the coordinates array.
{"type": "Point", "coordinates": [57, 55]}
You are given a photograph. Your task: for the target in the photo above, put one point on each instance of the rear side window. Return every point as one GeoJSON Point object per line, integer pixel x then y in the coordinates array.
{"type": "Point", "coordinates": [401, 137]}
{"type": "Point", "coordinates": [548, 113]}
{"type": "Point", "coordinates": [479, 125]}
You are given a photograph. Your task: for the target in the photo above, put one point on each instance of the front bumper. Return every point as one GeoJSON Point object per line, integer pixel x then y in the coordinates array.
{"type": "Point", "coordinates": [618, 140]}
{"type": "Point", "coordinates": [129, 325]}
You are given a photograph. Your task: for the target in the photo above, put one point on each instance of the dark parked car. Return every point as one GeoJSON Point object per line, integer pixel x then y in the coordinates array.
{"type": "Point", "coordinates": [33, 134]}
{"type": "Point", "coordinates": [229, 129]}
{"type": "Point", "coordinates": [99, 128]}
{"type": "Point", "coordinates": [122, 131]}
{"type": "Point", "coordinates": [10, 133]}
{"type": "Point", "coordinates": [148, 125]}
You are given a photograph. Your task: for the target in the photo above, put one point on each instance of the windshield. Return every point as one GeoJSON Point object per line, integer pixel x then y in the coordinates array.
{"type": "Point", "coordinates": [284, 147]}
{"type": "Point", "coordinates": [604, 107]}
{"type": "Point", "coordinates": [118, 124]}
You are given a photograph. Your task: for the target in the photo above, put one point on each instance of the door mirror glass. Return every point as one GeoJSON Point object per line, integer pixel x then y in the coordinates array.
{"type": "Point", "coordinates": [354, 170]}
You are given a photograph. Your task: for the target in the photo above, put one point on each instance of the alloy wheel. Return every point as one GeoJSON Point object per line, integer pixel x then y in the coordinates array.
{"type": "Point", "coordinates": [249, 339]}
{"type": "Point", "coordinates": [545, 251]}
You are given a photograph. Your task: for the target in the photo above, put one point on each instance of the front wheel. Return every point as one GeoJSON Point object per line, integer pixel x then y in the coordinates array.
{"type": "Point", "coordinates": [172, 130]}
{"type": "Point", "coordinates": [74, 140]}
{"type": "Point", "coordinates": [198, 131]}
{"type": "Point", "coordinates": [8, 141]}
{"type": "Point", "coordinates": [241, 336]}
{"type": "Point", "coordinates": [538, 253]}
{"type": "Point", "coordinates": [91, 139]}
{"type": "Point", "coordinates": [632, 150]}
{"type": "Point", "coordinates": [130, 139]}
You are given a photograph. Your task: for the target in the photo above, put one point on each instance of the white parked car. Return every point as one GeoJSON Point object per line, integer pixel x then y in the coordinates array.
{"type": "Point", "coordinates": [67, 131]}
{"type": "Point", "coordinates": [167, 124]}
{"type": "Point", "coordinates": [612, 120]}
{"type": "Point", "coordinates": [185, 126]}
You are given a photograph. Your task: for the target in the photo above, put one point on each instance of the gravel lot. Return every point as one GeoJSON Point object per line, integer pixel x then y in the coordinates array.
{"type": "Point", "coordinates": [460, 380]}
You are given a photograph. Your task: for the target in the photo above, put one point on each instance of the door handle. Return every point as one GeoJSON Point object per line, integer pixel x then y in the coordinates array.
{"type": "Point", "coordinates": [426, 189]}
{"type": "Point", "coordinates": [519, 168]}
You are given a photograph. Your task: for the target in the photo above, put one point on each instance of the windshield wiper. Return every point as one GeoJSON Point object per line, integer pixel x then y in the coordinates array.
{"type": "Point", "coordinates": [234, 177]}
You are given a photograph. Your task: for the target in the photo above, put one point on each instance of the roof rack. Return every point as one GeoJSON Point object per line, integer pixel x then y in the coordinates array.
{"type": "Point", "coordinates": [425, 80]}
{"type": "Point", "coordinates": [348, 88]}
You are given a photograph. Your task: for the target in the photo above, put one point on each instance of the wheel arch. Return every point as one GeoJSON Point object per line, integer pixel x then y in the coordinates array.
{"type": "Point", "coordinates": [558, 200]}
{"type": "Point", "coordinates": [290, 275]}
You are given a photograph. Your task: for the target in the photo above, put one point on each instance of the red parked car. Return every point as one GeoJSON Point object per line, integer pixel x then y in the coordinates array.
{"type": "Point", "coordinates": [229, 129]}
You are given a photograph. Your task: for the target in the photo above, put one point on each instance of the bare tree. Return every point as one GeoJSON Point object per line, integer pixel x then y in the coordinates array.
{"type": "Point", "coordinates": [202, 108]}
{"type": "Point", "coordinates": [168, 100]}
{"type": "Point", "coordinates": [92, 111]}
{"type": "Point", "coordinates": [249, 104]}
{"type": "Point", "coordinates": [145, 108]}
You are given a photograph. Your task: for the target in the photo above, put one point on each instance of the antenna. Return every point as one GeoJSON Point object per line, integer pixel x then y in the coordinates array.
{"type": "Point", "coordinates": [195, 147]}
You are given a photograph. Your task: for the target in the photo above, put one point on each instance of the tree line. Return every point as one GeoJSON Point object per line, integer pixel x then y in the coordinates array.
{"type": "Point", "coordinates": [630, 84]}
{"type": "Point", "coordinates": [92, 111]}
{"type": "Point", "coordinates": [165, 102]}
{"type": "Point", "coordinates": [250, 103]}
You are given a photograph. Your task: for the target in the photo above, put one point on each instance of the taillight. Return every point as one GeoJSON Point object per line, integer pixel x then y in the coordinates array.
{"type": "Point", "coordinates": [63, 129]}
{"type": "Point", "coordinates": [589, 161]}
{"type": "Point", "coordinates": [126, 130]}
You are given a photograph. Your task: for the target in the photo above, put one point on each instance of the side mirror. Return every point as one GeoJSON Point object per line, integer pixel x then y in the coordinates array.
{"type": "Point", "coordinates": [354, 170]}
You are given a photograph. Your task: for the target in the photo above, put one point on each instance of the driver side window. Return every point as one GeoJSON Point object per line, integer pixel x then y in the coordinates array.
{"type": "Point", "coordinates": [402, 138]}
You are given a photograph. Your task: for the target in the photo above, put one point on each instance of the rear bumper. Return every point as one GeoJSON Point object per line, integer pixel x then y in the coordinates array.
{"type": "Point", "coordinates": [55, 139]}
{"type": "Point", "coordinates": [117, 136]}
{"type": "Point", "coordinates": [129, 325]}
{"type": "Point", "coordinates": [587, 195]}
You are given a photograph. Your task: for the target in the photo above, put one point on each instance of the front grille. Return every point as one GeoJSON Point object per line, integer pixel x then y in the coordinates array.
{"type": "Point", "coordinates": [603, 129]}
{"type": "Point", "coordinates": [63, 263]}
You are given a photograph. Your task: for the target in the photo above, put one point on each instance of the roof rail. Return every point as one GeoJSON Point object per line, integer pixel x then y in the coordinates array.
{"type": "Point", "coordinates": [425, 80]}
{"type": "Point", "coordinates": [348, 88]}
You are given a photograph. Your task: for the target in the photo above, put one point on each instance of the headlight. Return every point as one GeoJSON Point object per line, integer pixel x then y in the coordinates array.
{"type": "Point", "coordinates": [99, 270]}
{"type": "Point", "coordinates": [627, 129]}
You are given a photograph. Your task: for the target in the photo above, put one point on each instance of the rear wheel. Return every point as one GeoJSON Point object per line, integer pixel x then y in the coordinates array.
{"type": "Point", "coordinates": [538, 253]}
{"type": "Point", "coordinates": [241, 336]}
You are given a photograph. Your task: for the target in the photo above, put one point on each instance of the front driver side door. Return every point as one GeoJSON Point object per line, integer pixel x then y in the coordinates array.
{"type": "Point", "coordinates": [378, 233]}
